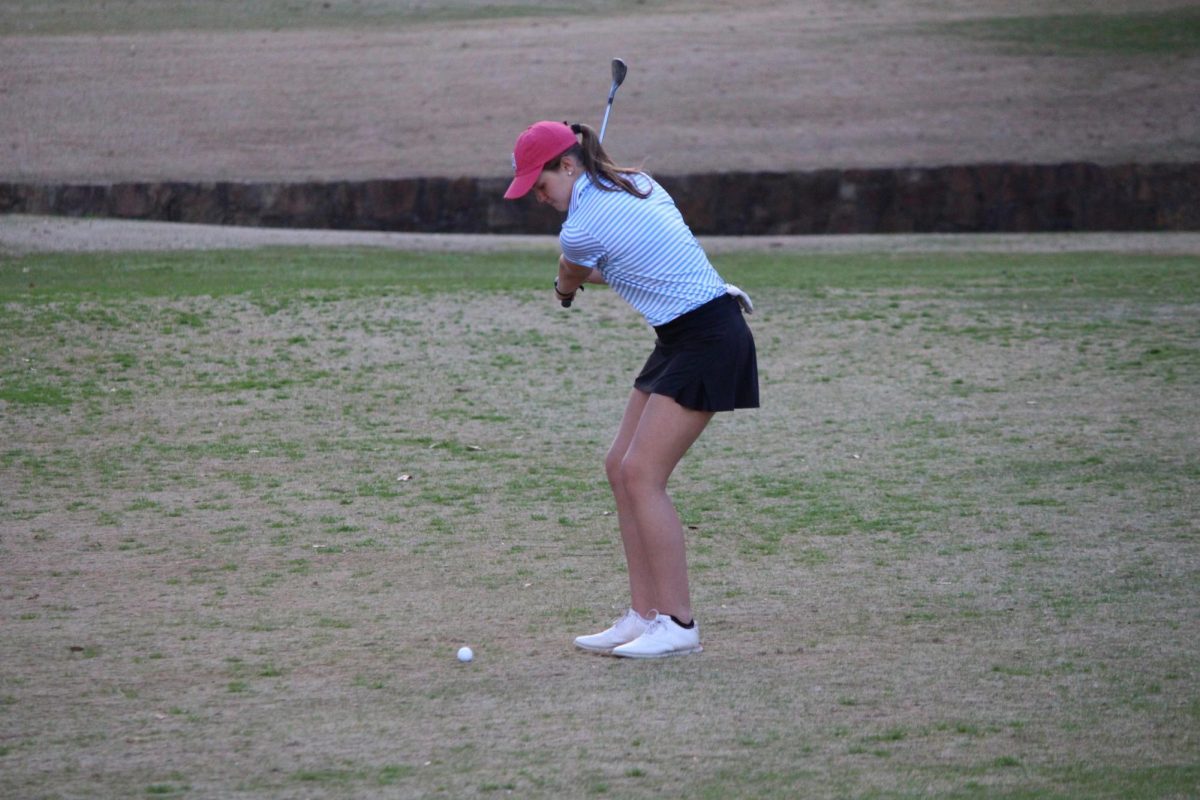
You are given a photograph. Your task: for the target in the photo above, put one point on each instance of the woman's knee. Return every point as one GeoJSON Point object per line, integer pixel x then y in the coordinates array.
{"type": "Point", "coordinates": [612, 468]}
{"type": "Point", "coordinates": [635, 474]}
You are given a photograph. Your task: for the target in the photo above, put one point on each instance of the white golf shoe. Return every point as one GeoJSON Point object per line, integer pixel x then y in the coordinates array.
{"type": "Point", "coordinates": [664, 637]}
{"type": "Point", "coordinates": [624, 630]}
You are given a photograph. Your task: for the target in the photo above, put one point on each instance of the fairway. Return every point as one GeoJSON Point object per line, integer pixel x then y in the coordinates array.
{"type": "Point", "coordinates": [252, 502]}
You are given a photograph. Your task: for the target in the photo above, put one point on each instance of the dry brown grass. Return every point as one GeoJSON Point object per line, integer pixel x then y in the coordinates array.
{"type": "Point", "coordinates": [345, 89]}
{"type": "Point", "coordinates": [953, 555]}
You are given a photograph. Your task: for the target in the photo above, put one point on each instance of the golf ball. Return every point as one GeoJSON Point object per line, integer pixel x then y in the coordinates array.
{"type": "Point", "coordinates": [465, 654]}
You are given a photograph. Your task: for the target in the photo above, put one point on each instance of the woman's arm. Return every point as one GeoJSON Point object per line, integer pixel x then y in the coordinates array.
{"type": "Point", "coordinates": [571, 276]}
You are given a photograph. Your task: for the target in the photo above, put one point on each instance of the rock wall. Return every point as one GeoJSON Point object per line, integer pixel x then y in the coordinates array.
{"type": "Point", "coordinates": [974, 198]}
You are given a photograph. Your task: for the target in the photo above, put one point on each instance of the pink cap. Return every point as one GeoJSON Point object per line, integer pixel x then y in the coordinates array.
{"type": "Point", "coordinates": [538, 144]}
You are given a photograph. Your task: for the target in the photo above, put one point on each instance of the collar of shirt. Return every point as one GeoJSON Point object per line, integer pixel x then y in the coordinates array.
{"type": "Point", "coordinates": [581, 188]}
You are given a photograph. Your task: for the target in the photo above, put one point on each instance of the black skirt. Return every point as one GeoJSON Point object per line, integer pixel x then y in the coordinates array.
{"type": "Point", "coordinates": [704, 360]}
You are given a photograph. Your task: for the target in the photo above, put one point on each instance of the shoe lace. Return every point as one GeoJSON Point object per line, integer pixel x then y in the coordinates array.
{"type": "Point", "coordinates": [631, 613]}
{"type": "Point", "coordinates": [654, 625]}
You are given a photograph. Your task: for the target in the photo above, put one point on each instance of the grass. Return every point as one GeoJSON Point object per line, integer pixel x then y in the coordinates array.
{"type": "Point", "coordinates": [273, 277]}
{"type": "Point", "coordinates": [253, 502]}
{"type": "Point", "coordinates": [60, 17]}
{"type": "Point", "coordinates": [1147, 33]}
{"type": "Point", "coordinates": [277, 277]}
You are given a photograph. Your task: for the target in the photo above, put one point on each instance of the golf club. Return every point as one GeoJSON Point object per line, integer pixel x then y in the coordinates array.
{"type": "Point", "coordinates": [618, 77]}
{"type": "Point", "coordinates": [619, 69]}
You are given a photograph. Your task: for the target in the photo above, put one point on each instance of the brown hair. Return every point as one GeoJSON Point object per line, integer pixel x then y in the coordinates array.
{"type": "Point", "coordinates": [590, 153]}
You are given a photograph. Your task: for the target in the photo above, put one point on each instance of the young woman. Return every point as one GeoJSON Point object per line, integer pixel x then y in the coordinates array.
{"type": "Point", "coordinates": [623, 229]}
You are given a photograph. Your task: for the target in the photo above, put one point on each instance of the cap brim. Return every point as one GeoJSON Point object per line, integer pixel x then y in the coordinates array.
{"type": "Point", "coordinates": [521, 185]}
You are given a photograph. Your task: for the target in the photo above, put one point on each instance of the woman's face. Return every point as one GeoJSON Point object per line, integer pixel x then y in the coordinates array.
{"type": "Point", "coordinates": [553, 187]}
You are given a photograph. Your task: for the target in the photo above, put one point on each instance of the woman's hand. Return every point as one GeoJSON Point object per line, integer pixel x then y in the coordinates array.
{"type": "Point", "coordinates": [565, 299]}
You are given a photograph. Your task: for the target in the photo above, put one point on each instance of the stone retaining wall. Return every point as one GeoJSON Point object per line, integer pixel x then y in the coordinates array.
{"type": "Point", "coordinates": [978, 198]}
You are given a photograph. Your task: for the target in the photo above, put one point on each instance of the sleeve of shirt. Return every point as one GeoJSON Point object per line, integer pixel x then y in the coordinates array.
{"type": "Point", "coordinates": [581, 248]}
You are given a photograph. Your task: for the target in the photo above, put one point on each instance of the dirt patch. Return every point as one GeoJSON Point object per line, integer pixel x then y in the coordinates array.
{"type": "Point", "coordinates": [763, 86]}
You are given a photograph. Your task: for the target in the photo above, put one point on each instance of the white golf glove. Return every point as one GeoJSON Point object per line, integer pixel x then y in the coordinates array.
{"type": "Point", "coordinates": [742, 298]}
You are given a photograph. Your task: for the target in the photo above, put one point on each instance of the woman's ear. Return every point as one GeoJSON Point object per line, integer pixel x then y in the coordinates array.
{"type": "Point", "coordinates": [569, 165]}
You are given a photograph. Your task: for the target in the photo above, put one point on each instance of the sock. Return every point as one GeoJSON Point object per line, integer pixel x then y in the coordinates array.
{"type": "Point", "coordinates": [687, 627]}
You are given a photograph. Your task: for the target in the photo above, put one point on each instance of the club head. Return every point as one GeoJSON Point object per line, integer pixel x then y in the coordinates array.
{"type": "Point", "coordinates": [618, 75]}
{"type": "Point", "coordinates": [618, 71]}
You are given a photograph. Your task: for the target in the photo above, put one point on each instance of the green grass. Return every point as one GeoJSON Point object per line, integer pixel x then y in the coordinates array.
{"type": "Point", "coordinates": [254, 501]}
{"type": "Point", "coordinates": [1150, 33]}
{"type": "Point", "coordinates": [1007, 277]}
{"type": "Point", "coordinates": [277, 276]}
{"type": "Point", "coordinates": [272, 276]}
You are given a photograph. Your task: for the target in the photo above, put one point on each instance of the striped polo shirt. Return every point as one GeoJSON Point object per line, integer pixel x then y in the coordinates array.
{"type": "Point", "coordinates": [642, 247]}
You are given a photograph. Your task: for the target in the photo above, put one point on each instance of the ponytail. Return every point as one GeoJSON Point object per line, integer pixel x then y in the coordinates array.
{"type": "Point", "coordinates": [600, 168]}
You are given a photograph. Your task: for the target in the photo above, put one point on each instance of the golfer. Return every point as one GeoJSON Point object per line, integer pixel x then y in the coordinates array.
{"type": "Point", "coordinates": [623, 229]}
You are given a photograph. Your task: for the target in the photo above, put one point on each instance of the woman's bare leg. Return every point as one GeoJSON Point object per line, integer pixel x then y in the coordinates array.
{"type": "Point", "coordinates": [654, 435]}
{"type": "Point", "coordinates": [641, 582]}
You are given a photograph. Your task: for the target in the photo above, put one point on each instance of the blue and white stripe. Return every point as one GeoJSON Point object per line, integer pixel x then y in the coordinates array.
{"type": "Point", "coordinates": [642, 247]}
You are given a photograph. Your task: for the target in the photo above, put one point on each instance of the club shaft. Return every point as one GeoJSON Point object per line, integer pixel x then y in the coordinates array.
{"type": "Point", "coordinates": [607, 111]}
{"type": "Point", "coordinates": [612, 93]}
